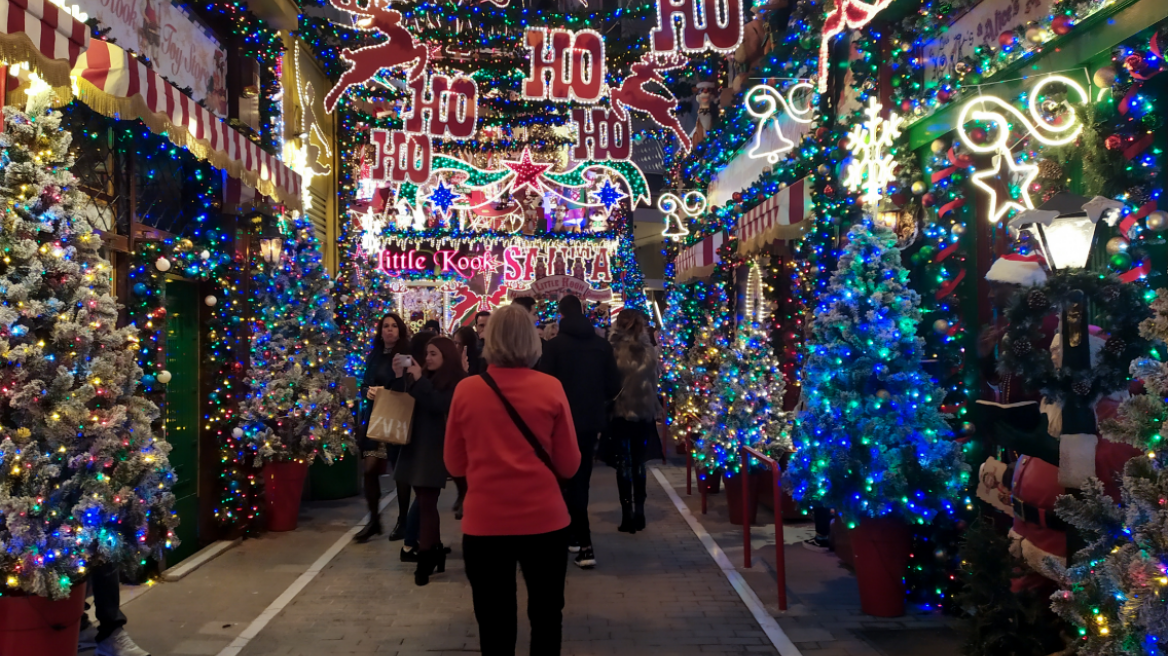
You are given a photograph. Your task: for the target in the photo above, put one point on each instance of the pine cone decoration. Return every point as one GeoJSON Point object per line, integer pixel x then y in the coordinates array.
{"type": "Point", "coordinates": [1022, 347]}
{"type": "Point", "coordinates": [1114, 346]}
{"type": "Point", "coordinates": [1037, 300]}
{"type": "Point", "coordinates": [1050, 169]}
{"type": "Point", "coordinates": [1139, 195]}
{"type": "Point", "coordinates": [1082, 388]}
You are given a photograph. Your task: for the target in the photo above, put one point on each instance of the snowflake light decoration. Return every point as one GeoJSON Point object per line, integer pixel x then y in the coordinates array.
{"type": "Point", "coordinates": [372, 225]}
{"type": "Point", "coordinates": [872, 166]}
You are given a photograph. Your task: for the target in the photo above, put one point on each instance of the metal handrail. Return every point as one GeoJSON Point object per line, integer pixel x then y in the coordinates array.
{"type": "Point", "coordinates": [780, 557]}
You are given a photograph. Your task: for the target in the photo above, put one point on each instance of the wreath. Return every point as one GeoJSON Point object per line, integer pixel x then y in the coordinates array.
{"type": "Point", "coordinates": [1119, 306]}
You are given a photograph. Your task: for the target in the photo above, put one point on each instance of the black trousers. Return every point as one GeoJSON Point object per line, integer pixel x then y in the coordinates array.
{"type": "Point", "coordinates": [105, 584]}
{"type": "Point", "coordinates": [490, 566]}
{"type": "Point", "coordinates": [630, 442]}
{"type": "Point", "coordinates": [576, 492]}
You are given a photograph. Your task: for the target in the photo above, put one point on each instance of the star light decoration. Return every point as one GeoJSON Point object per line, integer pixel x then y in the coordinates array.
{"type": "Point", "coordinates": [527, 172]}
{"type": "Point", "coordinates": [443, 197]}
{"type": "Point", "coordinates": [609, 195]}
{"type": "Point", "coordinates": [872, 168]}
{"type": "Point", "coordinates": [1028, 172]}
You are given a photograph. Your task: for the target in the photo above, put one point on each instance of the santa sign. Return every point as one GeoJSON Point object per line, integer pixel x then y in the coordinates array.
{"type": "Point", "coordinates": [441, 106]}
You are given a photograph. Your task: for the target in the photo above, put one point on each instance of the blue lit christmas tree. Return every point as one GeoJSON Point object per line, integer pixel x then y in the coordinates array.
{"type": "Point", "coordinates": [872, 442]}
{"type": "Point", "coordinates": [298, 407]}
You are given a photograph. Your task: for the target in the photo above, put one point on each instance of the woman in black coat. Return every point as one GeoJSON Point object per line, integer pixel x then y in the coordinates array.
{"type": "Point", "coordinates": [392, 337]}
{"type": "Point", "coordinates": [420, 464]}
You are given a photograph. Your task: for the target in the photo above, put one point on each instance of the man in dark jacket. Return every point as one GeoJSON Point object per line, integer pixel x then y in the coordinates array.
{"type": "Point", "coordinates": [584, 364]}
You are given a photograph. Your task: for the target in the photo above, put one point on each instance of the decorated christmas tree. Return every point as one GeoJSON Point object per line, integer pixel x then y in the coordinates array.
{"type": "Point", "coordinates": [745, 407]}
{"type": "Point", "coordinates": [84, 479]}
{"type": "Point", "coordinates": [298, 407]}
{"type": "Point", "coordinates": [872, 441]}
{"type": "Point", "coordinates": [1116, 590]}
{"type": "Point", "coordinates": [692, 370]}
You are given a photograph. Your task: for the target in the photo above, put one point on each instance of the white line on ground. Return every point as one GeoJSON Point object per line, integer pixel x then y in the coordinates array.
{"type": "Point", "coordinates": [767, 623]}
{"type": "Point", "coordinates": [299, 584]}
{"type": "Point", "coordinates": [204, 556]}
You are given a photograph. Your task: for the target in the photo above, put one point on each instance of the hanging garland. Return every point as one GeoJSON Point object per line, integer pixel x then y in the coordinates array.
{"type": "Point", "coordinates": [1123, 307]}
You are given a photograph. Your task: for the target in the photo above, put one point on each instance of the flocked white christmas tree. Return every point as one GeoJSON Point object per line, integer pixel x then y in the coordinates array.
{"type": "Point", "coordinates": [82, 477]}
{"type": "Point", "coordinates": [1116, 590]}
{"type": "Point", "coordinates": [298, 407]}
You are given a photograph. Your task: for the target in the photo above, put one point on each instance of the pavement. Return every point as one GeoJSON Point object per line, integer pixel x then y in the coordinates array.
{"type": "Point", "coordinates": [676, 588]}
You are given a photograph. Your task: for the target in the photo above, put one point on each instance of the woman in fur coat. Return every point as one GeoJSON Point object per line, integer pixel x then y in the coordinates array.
{"type": "Point", "coordinates": [633, 430]}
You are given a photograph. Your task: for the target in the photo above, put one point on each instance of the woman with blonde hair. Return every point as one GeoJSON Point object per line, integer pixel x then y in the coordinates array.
{"type": "Point", "coordinates": [510, 434]}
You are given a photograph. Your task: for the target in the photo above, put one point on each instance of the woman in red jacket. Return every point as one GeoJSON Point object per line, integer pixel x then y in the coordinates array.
{"type": "Point", "coordinates": [510, 434]}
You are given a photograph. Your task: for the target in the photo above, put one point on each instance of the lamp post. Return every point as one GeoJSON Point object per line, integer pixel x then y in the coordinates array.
{"type": "Point", "coordinates": [1064, 227]}
{"type": "Point", "coordinates": [271, 244]}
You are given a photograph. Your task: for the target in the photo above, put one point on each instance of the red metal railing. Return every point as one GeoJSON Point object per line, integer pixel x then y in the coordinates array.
{"type": "Point", "coordinates": [780, 557]}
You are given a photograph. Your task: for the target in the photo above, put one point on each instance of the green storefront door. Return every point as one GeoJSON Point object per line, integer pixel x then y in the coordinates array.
{"type": "Point", "coordinates": [182, 411]}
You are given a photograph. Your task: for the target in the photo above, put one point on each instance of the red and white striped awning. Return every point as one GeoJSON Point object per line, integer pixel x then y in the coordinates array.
{"type": "Point", "coordinates": [779, 217]}
{"type": "Point", "coordinates": [40, 34]}
{"type": "Point", "coordinates": [699, 260]}
{"type": "Point", "coordinates": [119, 86]}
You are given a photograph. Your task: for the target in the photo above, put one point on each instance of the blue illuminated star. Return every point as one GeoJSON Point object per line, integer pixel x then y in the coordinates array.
{"type": "Point", "coordinates": [609, 195]}
{"type": "Point", "coordinates": [443, 197]}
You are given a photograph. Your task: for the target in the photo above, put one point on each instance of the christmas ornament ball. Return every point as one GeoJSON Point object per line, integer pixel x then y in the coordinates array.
{"type": "Point", "coordinates": [884, 394]}
{"type": "Point", "coordinates": [1034, 34]}
{"type": "Point", "coordinates": [940, 326]}
{"type": "Point", "coordinates": [944, 95]}
{"type": "Point", "coordinates": [1006, 39]}
{"type": "Point", "coordinates": [205, 255]}
{"type": "Point", "coordinates": [162, 264]}
{"type": "Point", "coordinates": [140, 289]}
{"type": "Point", "coordinates": [147, 380]}
{"type": "Point", "coordinates": [1061, 25]}
{"type": "Point", "coordinates": [237, 432]}
{"type": "Point", "coordinates": [938, 146]}
{"type": "Point", "coordinates": [928, 200]}
{"type": "Point", "coordinates": [1157, 221]}
{"type": "Point", "coordinates": [1121, 261]}
{"type": "Point", "coordinates": [967, 428]}
{"type": "Point", "coordinates": [906, 105]}
{"type": "Point", "coordinates": [959, 229]}
{"type": "Point", "coordinates": [1104, 78]}
{"type": "Point", "coordinates": [978, 135]}
{"type": "Point", "coordinates": [1116, 245]}
{"type": "Point", "coordinates": [822, 170]}
{"type": "Point", "coordinates": [737, 197]}
{"type": "Point", "coordinates": [164, 376]}
{"type": "Point", "coordinates": [210, 301]}
{"type": "Point", "coordinates": [919, 187]}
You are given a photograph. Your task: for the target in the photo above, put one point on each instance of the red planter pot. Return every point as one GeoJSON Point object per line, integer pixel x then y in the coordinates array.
{"type": "Point", "coordinates": [881, 547]}
{"type": "Point", "coordinates": [283, 487]}
{"type": "Point", "coordinates": [712, 482]}
{"type": "Point", "coordinates": [766, 479]}
{"type": "Point", "coordinates": [734, 498]}
{"type": "Point", "coordinates": [36, 625]}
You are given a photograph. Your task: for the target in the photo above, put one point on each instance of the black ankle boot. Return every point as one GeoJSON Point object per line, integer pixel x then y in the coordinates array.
{"type": "Point", "coordinates": [399, 530]}
{"type": "Point", "coordinates": [627, 525]}
{"type": "Point", "coordinates": [639, 515]}
{"type": "Point", "coordinates": [431, 561]}
{"type": "Point", "coordinates": [371, 529]}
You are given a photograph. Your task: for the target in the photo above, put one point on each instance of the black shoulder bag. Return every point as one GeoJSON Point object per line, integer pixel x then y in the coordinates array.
{"type": "Point", "coordinates": [540, 452]}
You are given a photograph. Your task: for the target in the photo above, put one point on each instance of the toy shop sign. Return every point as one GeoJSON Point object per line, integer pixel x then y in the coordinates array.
{"type": "Point", "coordinates": [517, 264]}
{"type": "Point", "coordinates": [181, 48]}
{"type": "Point", "coordinates": [982, 25]}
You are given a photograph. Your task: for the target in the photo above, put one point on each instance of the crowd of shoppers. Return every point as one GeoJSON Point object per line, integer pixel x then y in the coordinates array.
{"type": "Point", "coordinates": [515, 420]}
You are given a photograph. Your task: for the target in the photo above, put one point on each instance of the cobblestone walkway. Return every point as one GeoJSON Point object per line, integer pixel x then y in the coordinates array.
{"type": "Point", "coordinates": [656, 592]}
